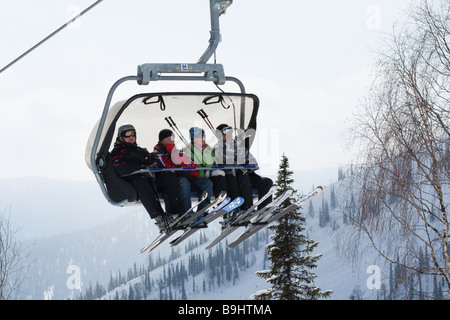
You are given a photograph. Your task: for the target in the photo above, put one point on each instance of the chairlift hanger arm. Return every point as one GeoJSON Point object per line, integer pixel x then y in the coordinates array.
{"type": "Point", "coordinates": [217, 8]}
{"type": "Point", "coordinates": [212, 72]}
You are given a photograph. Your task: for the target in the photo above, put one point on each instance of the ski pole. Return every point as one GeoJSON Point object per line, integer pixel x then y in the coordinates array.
{"type": "Point", "coordinates": [205, 117]}
{"type": "Point", "coordinates": [173, 125]}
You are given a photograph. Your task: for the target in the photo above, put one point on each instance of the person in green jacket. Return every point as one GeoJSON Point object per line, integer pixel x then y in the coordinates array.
{"type": "Point", "coordinates": [203, 155]}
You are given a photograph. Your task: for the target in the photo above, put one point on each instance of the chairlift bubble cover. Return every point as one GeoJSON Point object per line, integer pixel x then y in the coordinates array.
{"type": "Point", "coordinates": [147, 113]}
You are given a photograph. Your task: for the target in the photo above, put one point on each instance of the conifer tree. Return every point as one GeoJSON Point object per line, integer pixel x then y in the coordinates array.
{"type": "Point", "coordinates": [290, 273]}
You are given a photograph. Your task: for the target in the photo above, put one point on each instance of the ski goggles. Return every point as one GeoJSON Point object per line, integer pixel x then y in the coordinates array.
{"type": "Point", "coordinates": [129, 133]}
{"type": "Point", "coordinates": [226, 130]}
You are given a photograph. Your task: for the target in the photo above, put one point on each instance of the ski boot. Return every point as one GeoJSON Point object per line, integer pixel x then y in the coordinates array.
{"type": "Point", "coordinates": [172, 217]}
{"type": "Point", "coordinates": [228, 219]}
{"type": "Point", "coordinates": [161, 223]}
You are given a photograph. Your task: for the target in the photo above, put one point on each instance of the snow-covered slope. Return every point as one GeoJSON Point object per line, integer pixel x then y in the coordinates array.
{"type": "Point", "coordinates": [334, 272]}
{"type": "Point", "coordinates": [92, 256]}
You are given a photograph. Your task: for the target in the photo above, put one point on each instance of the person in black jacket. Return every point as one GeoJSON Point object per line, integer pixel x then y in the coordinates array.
{"type": "Point", "coordinates": [128, 157]}
{"type": "Point", "coordinates": [229, 152]}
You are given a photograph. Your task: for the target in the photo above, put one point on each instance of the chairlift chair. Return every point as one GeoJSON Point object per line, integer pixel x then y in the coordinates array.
{"type": "Point", "coordinates": [149, 112]}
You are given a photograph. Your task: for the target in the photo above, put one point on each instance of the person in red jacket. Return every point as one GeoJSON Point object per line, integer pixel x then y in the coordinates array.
{"type": "Point", "coordinates": [171, 157]}
{"type": "Point", "coordinates": [128, 157]}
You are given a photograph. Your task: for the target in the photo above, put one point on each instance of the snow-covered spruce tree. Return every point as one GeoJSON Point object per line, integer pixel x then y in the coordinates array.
{"type": "Point", "coordinates": [290, 253]}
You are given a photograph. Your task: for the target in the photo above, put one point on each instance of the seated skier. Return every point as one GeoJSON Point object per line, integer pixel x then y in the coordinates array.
{"type": "Point", "coordinates": [203, 156]}
{"type": "Point", "coordinates": [128, 157]}
{"type": "Point", "coordinates": [233, 152]}
{"type": "Point", "coordinates": [171, 157]}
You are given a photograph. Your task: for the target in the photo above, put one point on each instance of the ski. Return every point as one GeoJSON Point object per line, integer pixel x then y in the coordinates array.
{"type": "Point", "coordinates": [239, 220]}
{"type": "Point", "coordinates": [245, 221]}
{"type": "Point", "coordinates": [189, 212]}
{"type": "Point", "coordinates": [251, 211]}
{"type": "Point", "coordinates": [169, 228]}
{"type": "Point", "coordinates": [317, 191]}
{"type": "Point", "coordinates": [181, 222]}
{"type": "Point", "coordinates": [267, 218]}
{"type": "Point", "coordinates": [260, 215]}
{"type": "Point", "coordinates": [160, 239]}
{"type": "Point", "coordinates": [236, 203]}
{"type": "Point", "coordinates": [221, 197]}
{"type": "Point", "coordinates": [212, 212]}
{"type": "Point", "coordinates": [204, 221]}
{"type": "Point", "coordinates": [221, 205]}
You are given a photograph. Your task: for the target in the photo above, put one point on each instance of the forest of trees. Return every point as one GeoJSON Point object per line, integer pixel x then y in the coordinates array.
{"type": "Point", "coordinates": [400, 182]}
{"type": "Point", "coordinates": [220, 265]}
{"type": "Point", "coordinates": [206, 271]}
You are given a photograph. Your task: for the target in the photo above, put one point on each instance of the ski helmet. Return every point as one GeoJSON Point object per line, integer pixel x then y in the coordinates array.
{"type": "Point", "coordinates": [194, 132]}
{"type": "Point", "coordinates": [122, 129]}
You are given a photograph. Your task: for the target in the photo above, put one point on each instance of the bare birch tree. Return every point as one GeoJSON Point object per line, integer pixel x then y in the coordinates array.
{"type": "Point", "coordinates": [13, 260]}
{"type": "Point", "coordinates": [401, 176]}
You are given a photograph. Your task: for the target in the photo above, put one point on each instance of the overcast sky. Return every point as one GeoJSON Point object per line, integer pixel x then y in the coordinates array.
{"type": "Point", "coordinates": [308, 61]}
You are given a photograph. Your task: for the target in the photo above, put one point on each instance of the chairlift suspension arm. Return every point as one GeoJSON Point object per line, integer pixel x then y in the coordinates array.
{"type": "Point", "coordinates": [217, 8]}
{"type": "Point", "coordinates": [212, 72]}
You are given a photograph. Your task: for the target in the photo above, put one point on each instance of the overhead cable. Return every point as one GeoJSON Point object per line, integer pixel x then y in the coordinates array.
{"type": "Point", "coordinates": [51, 35]}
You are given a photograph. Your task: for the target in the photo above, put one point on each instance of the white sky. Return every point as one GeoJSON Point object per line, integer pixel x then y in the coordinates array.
{"type": "Point", "coordinates": [307, 61]}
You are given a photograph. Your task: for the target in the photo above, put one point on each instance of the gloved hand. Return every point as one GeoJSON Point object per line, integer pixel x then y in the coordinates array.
{"type": "Point", "coordinates": [137, 156]}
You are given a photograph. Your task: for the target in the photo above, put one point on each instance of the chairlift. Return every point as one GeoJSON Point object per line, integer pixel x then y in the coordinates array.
{"type": "Point", "coordinates": [151, 112]}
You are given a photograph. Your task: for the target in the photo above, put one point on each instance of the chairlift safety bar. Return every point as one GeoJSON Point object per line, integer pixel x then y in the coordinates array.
{"type": "Point", "coordinates": [247, 167]}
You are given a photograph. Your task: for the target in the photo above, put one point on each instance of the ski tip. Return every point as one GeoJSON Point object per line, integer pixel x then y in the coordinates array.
{"type": "Point", "coordinates": [320, 187]}
{"type": "Point", "coordinates": [232, 245]}
{"type": "Point", "coordinates": [146, 250]}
